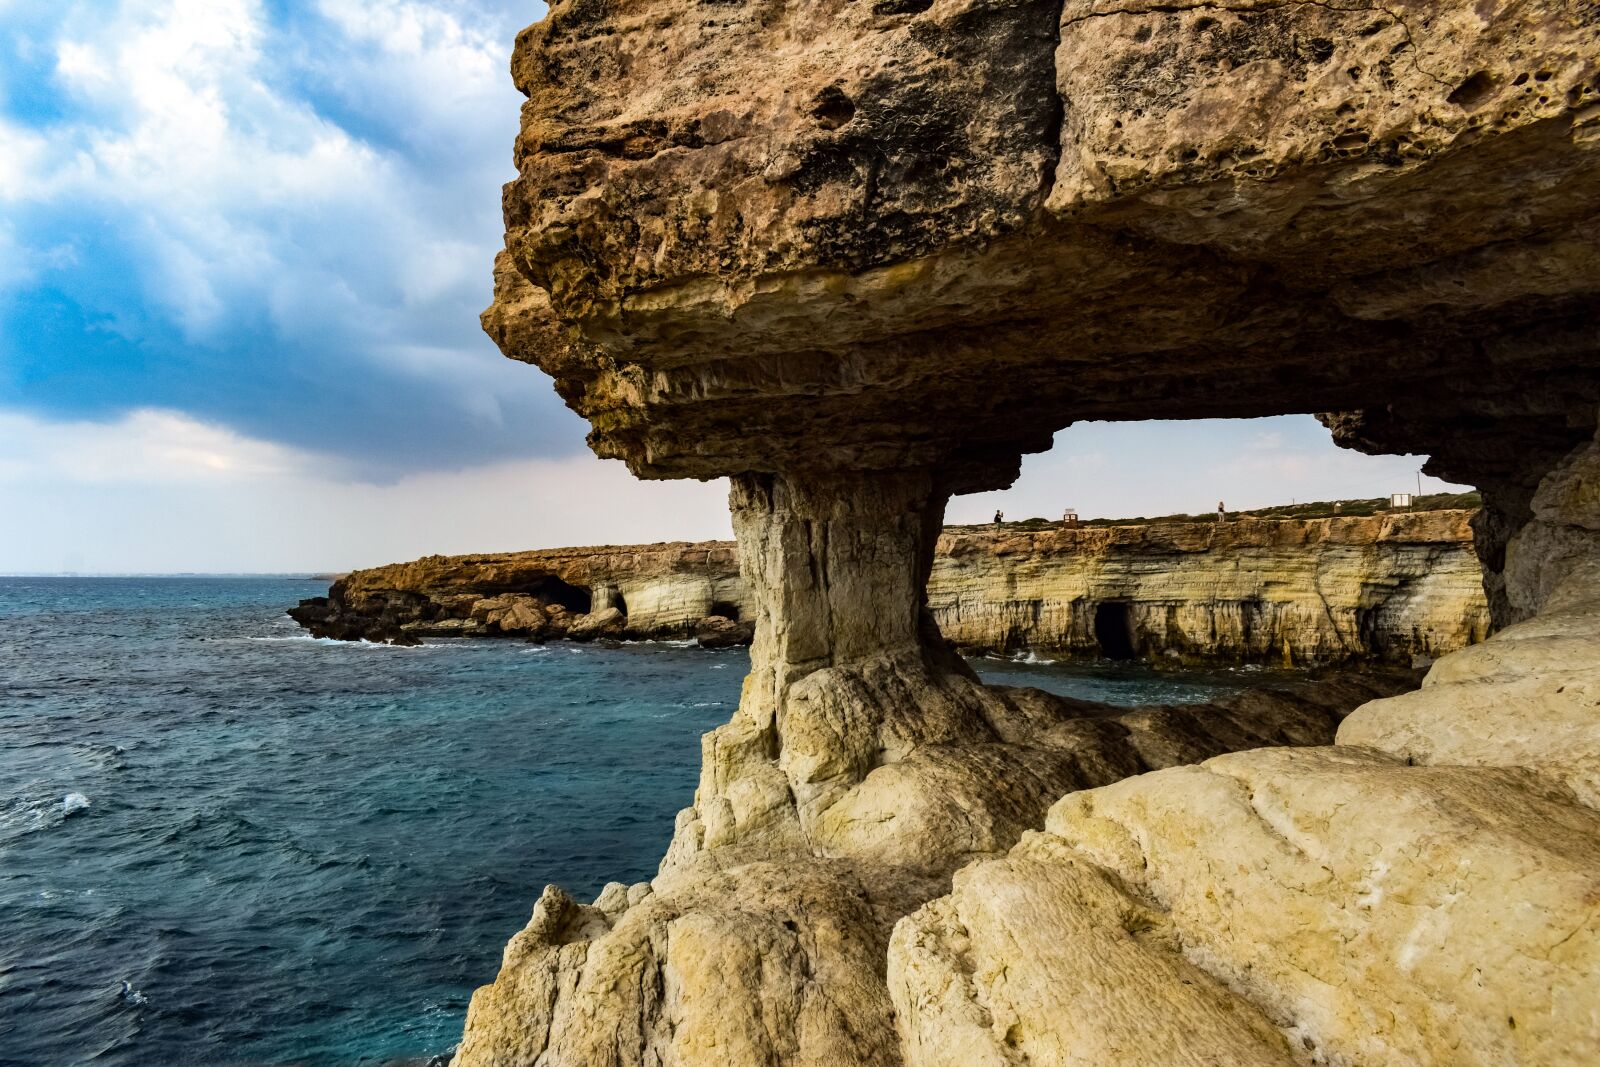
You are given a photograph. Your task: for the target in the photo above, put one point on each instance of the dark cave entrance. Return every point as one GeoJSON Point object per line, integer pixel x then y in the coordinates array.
{"type": "Point", "coordinates": [1113, 630]}
{"type": "Point", "coordinates": [726, 608]}
{"type": "Point", "coordinates": [552, 590]}
{"type": "Point", "coordinates": [620, 602]}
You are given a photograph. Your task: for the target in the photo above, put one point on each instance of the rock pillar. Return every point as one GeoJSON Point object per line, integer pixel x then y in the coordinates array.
{"type": "Point", "coordinates": [847, 671]}
{"type": "Point", "coordinates": [838, 565]}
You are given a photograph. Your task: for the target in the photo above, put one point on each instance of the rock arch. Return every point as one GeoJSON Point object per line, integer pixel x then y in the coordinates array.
{"type": "Point", "coordinates": [1031, 214]}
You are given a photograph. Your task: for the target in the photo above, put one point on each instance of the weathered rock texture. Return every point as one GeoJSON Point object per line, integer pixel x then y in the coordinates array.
{"type": "Point", "coordinates": [1425, 892]}
{"type": "Point", "coordinates": [848, 235]}
{"type": "Point", "coordinates": [655, 591]}
{"type": "Point", "coordinates": [754, 946]}
{"type": "Point", "coordinates": [1384, 588]}
{"type": "Point", "coordinates": [860, 256]}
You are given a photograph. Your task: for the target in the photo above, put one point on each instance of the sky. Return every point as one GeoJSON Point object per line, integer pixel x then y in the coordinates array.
{"type": "Point", "coordinates": [243, 248]}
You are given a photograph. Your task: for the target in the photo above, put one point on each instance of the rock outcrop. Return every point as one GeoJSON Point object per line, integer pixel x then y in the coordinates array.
{"type": "Point", "coordinates": [928, 234]}
{"type": "Point", "coordinates": [639, 591]}
{"type": "Point", "coordinates": [859, 257]}
{"type": "Point", "coordinates": [773, 950]}
{"type": "Point", "coordinates": [1252, 909]}
{"type": "Point", "coordinates": [1293, 591]}
{"type": "Point", "coordinates": [1383, 588]}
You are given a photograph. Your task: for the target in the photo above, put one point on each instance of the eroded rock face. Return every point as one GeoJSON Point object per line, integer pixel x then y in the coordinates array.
{"type": "Point", "coordinates": [654, 591]}
{"type": "Point", "coordinates": [1386, 588]}
{"type": "Point", "coordinates": [865, 764]}
{"type": "Point", "coordinates": [1457, 928]}
{"type": "Point", "coordinates": [862, 256]}
{"type": "Point", "coordinates": [754, 946]}
{"type": "Point", "coordinates": [846, 235]}
{"type": "Point", "coordinates": [1421, 893]}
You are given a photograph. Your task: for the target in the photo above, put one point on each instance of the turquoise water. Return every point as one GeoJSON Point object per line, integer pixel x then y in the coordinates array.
{"type": "Point", "coordinates": [290, 851]}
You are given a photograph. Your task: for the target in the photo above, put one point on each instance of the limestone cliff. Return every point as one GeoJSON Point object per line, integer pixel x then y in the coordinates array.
{"type": "Point", "coordinates": [663, 590]}
{"type": "Point", "coordinates": [859, 257]}
{"type": "Point", "coordinates": [1387, 587]}
{"type": "Point", "coordinates": [1383, 588]}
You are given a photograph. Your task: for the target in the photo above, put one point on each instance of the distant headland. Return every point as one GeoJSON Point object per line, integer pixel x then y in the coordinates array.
{"type": "Point", "coordinates": [1309, 584]}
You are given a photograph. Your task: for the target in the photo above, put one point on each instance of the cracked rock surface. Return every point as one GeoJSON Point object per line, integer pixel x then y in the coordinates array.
{"type": "Point", "coordinates": [1423, 892]}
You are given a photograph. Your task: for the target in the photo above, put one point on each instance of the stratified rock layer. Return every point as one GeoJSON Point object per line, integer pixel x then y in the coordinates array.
{"type": "Point", "coordinates": [1294, 591]}
{"type": "Point", "coordinates": [1385, 588]}
{"type": "Point", "coordinates": [846, 235]}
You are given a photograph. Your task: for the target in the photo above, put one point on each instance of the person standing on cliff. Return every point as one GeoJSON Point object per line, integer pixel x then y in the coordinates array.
{"type": "Point", "coordinates": [999, 517]}
{"type": "Point", "coordinates": [1222, 513]}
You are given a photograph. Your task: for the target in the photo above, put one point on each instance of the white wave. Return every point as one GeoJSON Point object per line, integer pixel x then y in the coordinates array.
{"type": "Point", "coordinates": [22, 817]}
{"type": "Point", "coordinates": [132, 996]}
{"type": "Point", "coordinates": [73, 803]}
{"type": "Point", "coordinates": [330, 642]}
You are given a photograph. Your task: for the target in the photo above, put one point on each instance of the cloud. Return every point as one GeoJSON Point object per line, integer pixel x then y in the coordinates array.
{"type": "Point", "coordinates": [158, 491]}
{"type": "Point", "coordinates": [243, 245]}
{"type": "Point", "coordinates": [144, 448]}
{"type": "Point", "coordinates": [161, 491]}
{"type": "Point", "coordinates": [278, 218]}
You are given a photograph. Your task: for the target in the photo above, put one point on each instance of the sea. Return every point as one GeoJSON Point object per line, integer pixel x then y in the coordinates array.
{"type": "Point", "coordinates": [225, 843]}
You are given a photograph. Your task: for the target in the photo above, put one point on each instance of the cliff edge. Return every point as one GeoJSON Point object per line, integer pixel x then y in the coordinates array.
{"type": "Point", "coordinates": [1383, 588]}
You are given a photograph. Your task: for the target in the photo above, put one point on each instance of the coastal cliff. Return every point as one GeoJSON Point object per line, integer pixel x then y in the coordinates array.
{"type": "Point", "coordinates": [1293, 591]}
{"type": "Point", "coordinates": [860, 258]}
{"type": "Point", "coordinates": [1386, 588]}
{"type": "Point", "coordinates": [655, 591]}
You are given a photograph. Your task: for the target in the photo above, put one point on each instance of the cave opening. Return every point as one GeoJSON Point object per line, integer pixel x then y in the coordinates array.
{"type": "Point", "coordinates": [552, 590]}
{"type": "Point", "coordinates": [1113, 630]}
{"type": "Point", "coordinates": [725, 608]}
{"type": "Point", "coordinates": [620, 602]}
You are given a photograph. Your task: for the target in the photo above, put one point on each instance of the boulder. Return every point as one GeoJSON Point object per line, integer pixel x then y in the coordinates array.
{"type": "Point", "coordinates": [719, 631]}
{"type": "Point", "coordinates": [607, 622]}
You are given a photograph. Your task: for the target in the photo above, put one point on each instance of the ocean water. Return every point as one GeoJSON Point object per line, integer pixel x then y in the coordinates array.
{"type": "Point", "coordinates": [224, 843]}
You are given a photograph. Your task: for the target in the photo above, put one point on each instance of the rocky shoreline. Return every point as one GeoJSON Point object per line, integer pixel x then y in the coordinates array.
{"type": "Point", "coordinates": [663, 592]}
{"type": "Point", "coordinates": [1391, 588]}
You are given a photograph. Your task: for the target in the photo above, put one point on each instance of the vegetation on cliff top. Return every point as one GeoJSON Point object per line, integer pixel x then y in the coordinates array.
{"type": "Point", "coordinates": [1318, 509]}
